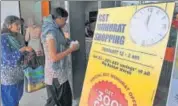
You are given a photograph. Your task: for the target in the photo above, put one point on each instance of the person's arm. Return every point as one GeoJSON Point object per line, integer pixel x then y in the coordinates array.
{"type": "Point", "coordinates": [54, 56]}
{"type": "Point", "coordinates": [27, 35]}
{"type": "Point", "coordinates": [86, 31]}
{"type": "Point", "coordinates": [66, 34]}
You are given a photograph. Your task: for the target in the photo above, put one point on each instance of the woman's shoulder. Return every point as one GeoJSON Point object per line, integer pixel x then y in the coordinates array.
{"type": "Point", "coordinates": [4, 39]}
{"type": "Point", "coordinates": [5, 36]}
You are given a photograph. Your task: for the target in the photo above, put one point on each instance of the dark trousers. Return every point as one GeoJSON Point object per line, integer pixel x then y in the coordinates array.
{"type": "Point", "coordinates": [59, 95]}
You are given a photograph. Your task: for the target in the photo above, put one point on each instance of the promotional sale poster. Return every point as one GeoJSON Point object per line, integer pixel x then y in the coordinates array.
{"type": "Point", "coordinates": [127, 54]}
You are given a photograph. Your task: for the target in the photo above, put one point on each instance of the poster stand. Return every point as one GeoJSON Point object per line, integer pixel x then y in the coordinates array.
{"type": "Point", "coordinates": [118, 69]}
{"type": "Point", "coordinates": [172, 97]}
{"type": "Point", "coordinates": [167, 72]}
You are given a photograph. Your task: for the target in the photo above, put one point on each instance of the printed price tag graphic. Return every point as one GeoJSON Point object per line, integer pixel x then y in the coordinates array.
{"type": "Point", "coordinates": [106, 94]}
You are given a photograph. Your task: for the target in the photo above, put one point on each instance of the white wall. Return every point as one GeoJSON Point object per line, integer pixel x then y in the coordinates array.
{"type": "Point", "coordinates": [9, 8]}
{"type": "Point", "coordinates": [26, 8]}
{"type": "Point", "coordinates": [30, 9]}
{"type": "Point", "coordinates": [57, 3]}
{"type": "Point", "coordinates": [38, 14]}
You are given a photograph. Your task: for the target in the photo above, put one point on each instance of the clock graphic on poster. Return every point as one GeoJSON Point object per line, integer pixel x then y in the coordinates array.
{"type": "Point", "coordinates": [149, 25]}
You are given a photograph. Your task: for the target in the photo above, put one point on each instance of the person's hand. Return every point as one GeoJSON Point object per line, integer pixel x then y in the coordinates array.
{"type": "Point", "coordinates": [28, 49]}
{"type": "Point", "coordinates": [66, 34]}
{"type": "Point", "coordinates": [23, 49]}
{"type": "Point", "coordinates": [74, 45]}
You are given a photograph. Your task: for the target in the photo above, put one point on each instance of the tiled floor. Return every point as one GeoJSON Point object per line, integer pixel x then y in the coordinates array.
{"type": "Point", "coordinates": [38, 99]}
{"type": "Point", "coordinates": [34, 99]}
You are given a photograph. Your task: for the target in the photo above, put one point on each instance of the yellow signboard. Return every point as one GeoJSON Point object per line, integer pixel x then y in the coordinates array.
{"type": "Point", "coordinates": [127, 54]}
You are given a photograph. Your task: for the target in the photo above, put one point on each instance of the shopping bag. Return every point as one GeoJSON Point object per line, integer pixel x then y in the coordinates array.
{"type": "Point", "coordinates": [34, 79]}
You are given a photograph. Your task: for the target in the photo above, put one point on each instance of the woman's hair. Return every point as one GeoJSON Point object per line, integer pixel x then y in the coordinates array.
{"type": "Point", "coordinates": [59, 12]}
{"type": "Point", "coordinates": [9, 20]}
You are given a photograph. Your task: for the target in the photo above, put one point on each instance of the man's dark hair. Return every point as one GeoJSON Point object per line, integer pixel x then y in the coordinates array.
{"type": "Point", "coordinates": [59, 12]}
